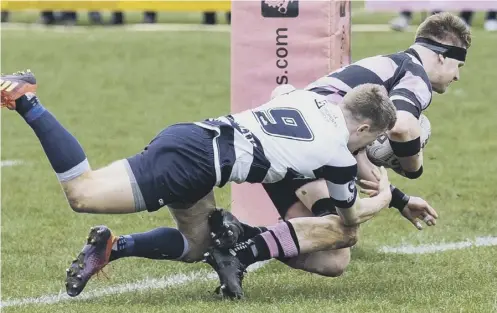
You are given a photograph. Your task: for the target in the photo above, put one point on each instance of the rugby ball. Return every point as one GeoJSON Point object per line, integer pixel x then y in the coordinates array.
{"type": "Point", "coordinates": [380, 152]}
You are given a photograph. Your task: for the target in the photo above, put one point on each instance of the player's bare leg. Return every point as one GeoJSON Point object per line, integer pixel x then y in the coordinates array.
{"type": "Point", "coordinates": [107, 190]}
{"type": "Point", "coordinates": [192, 221]}
{"type": "Point", "coordinates": [287, 239]}
{"type": "Point", "coordinates": [188, 243]}
{"type": "Point", "coordinates": [324, 250]}
{"type": "Point", "coordinates": [331, 263]}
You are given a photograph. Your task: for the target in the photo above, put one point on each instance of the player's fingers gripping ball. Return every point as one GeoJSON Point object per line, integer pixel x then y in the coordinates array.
{"type": "Point", "coordinates": [380, 152]}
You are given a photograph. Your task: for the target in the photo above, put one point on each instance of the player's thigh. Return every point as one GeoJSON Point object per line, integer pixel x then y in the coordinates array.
{"type": "Point", "coordinates": [331, 263]}
{"type": "Point", "coordinates": [192, 221]}
{"type": "Point", "coordinates": [312, 192]}
{"type": "Point", "coordinates": [106, 190]}
{"type": "Point", "coordinates": [303, 199]}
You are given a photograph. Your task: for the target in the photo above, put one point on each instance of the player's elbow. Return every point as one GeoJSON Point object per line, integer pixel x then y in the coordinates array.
{"type": "Point", "coordinates": [406, 128]}
{"type": "Point", "coordinates": [414, 174]}
{"type": "Point", "coordinates": [398, 132]}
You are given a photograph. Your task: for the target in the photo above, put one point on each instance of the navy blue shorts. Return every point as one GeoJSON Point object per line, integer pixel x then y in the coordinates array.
{"type": "Point", "coordinates": [283, 194]}
{"type": "Point", "coordinates": [176, 167]}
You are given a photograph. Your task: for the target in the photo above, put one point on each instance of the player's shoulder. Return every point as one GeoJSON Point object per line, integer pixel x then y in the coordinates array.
{"type": "Point", "coordinates": [400, 58]}
{"type": "Point", "coordinates": [375, 61]}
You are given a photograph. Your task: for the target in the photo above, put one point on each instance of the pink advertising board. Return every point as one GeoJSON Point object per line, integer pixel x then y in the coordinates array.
{"type": "Point", "coordinates": [274, 43]}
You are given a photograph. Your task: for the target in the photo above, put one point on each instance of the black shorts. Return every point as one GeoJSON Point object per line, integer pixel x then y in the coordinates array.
{"type": "Point", "coordinates": [283, 194]}
{"type": "Point", "coordinates": [176, 167]}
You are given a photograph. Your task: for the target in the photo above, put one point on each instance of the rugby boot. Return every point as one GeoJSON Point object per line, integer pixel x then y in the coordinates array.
{"type": "Point", "coordinates": [15, 86]}
{"type": "Point", "coordinates": [92, 259]}
{"type": "Point", "coordinates": [229, 269]}
{"type": "Point", "coordinates": [225, 228]}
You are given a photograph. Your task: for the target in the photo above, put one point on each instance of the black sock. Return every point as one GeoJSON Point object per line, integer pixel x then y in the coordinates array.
{"type": "Point", "coordinates": [251, 231]}
{"type": "Point", "coordinates": [252, 250]}
{"type": "Point", "coordinates": [162, 243]}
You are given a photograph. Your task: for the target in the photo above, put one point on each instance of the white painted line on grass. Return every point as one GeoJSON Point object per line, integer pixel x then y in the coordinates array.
{"type": "Point", "coordinates": [7, 163]}
{"type": "Point", "coordinates": [434, 248]}
{"type": "Point", "coordinates": [164, 28]}
{"type": "Point", "coordinates": [146, 284]}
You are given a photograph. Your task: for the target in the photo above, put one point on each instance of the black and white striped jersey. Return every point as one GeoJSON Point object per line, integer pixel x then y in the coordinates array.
{"type": "Point", "coordinates": [402, 74]}
{"type": "Point", "coordinates": [299, 135]}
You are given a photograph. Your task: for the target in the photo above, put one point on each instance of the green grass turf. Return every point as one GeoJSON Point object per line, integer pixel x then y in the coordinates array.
{"type": "Point", "coordinates": [115, 90]}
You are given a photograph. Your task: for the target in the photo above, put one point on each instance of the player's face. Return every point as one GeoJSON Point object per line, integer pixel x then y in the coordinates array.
{"type": "Point", "coordinates": [447, 72]}
{"type": "Point", "coordinates": [362, 137]}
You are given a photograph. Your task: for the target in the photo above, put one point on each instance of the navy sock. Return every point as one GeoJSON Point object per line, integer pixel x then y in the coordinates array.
{"type": "Point", "coordinates": [61, 148]}
{"type": "Point", "coordinates": [162, 243]}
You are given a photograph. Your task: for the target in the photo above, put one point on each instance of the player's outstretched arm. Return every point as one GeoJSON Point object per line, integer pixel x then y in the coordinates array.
{"type": "Point", "coordinates": [412, 208]}
{"type": "Point", "coordinates": [364, 209]}
{"type": "Point", "coordinates": [405, 140]}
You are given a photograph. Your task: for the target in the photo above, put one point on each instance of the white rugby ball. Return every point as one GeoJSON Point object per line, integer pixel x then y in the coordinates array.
{"type": "Point", "coordinates": [380, 152]}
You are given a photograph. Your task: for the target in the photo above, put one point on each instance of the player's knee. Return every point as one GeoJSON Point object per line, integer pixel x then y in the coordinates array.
{"type": "Point", "coordinates": [75, 199]}
{"type": "Point", "coordinates": [80, 198]}
{"type": "Point", "coordinates": [334, 270]}
{"type": "Point", "coordinates": [80, 203]}
{"type": "Point", "coordinates": [332, 263]}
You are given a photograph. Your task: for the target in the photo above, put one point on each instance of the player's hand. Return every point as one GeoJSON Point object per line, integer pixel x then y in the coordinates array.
{"type": "Point", "coordinates": [418, 209]}
{"type": "Point", "coordinates": [382, 185]}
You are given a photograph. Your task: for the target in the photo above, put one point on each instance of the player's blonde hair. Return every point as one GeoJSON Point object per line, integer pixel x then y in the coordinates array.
{"type": "Point", "coordinates": [446, 28]}
{"type": "Point", "coordinates": [371, 102]}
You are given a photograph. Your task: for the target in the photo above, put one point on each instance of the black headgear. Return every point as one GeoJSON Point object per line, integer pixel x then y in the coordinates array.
{"type": "Point", "coordinates": [447, 51]}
